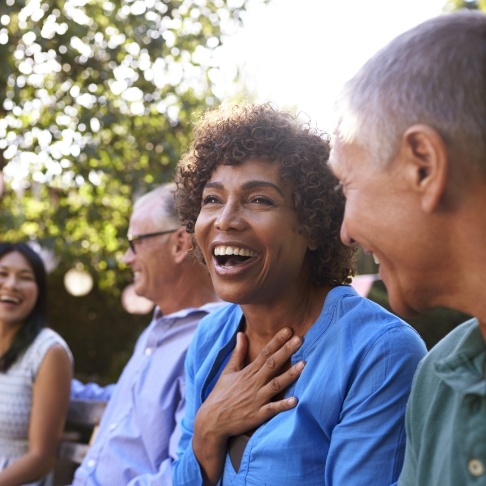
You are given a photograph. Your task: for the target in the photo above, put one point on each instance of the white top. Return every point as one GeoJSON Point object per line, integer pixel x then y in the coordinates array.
{"type": "Point", "coordinates": [16, 396]}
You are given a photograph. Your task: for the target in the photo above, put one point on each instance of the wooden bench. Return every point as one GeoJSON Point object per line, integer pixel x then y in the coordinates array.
{"type": "Point", "coordinates": [81, 425]}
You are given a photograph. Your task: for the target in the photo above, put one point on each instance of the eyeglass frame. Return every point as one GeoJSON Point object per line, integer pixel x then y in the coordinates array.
{"type": "Point", "coordinates": [132, 239]}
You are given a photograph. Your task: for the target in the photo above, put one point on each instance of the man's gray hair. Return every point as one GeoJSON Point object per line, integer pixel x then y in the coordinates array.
{"type": "Point", "coordinates": [433, 74]}
{"type": "Point", "coordinates": [162, 199]}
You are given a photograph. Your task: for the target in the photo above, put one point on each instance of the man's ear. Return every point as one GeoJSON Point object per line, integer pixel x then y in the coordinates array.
{"type": "Point", "coordinates": [182, 244]}
{"type": "Point", "coordinates": [427, 164]}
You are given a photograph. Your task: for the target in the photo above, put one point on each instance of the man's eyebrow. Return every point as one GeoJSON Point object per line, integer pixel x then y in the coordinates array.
{"type": "Point", "coordinates": [254, 184]}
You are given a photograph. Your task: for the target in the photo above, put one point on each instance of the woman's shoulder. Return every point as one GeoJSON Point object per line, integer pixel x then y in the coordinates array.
{"type": "Point", "coordinates": [45, 340]}
{"type": "Point", "coordinates": [345, 303]}
{"type": "Point", "coordinates": [47, 337]}
{"type": "Point", "coordinates": [217, 327]}
{"type": "Point", "coordinates": [350, 311]}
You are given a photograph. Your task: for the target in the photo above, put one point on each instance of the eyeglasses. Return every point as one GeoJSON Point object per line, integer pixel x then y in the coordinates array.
{"type": "Point", "coordinates": [132, 239]}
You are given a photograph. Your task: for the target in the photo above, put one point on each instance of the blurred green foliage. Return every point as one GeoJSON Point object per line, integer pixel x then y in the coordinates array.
{"type": "Point", "coordinates": [471, 4]}
{"type": "Point", "coordinates": [97, 100]}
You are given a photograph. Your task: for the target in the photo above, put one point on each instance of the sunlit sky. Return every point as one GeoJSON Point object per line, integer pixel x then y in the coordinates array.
{"type": "Point", "coordinates": [298, 53]}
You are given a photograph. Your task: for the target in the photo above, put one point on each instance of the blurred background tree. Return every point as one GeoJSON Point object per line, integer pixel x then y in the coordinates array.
{"type": "Point", "coordinates": [98, 97]}
{"type": "Point", "coordinates": [471, 4]}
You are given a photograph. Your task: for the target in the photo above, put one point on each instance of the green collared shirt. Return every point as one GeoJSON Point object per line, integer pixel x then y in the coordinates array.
{"type": "Point", "coordinates": [446, 414]}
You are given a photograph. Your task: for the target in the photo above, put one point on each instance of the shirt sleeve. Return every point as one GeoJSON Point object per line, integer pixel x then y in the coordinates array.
{"type": "Point", "coordinates": [186, 469]}
{"type": "Point", "coordinates": [164, 475]}
{"type": "Point", "coordinates": [369, 441]}
{"type": "Point", "coordinates": [90, 391]}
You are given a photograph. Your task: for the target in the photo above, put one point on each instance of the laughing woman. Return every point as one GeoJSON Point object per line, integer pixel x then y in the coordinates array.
{"type": "Point", "coordinates": [35, 372]}
{"type": "Point", "coordinates": [299, 381]}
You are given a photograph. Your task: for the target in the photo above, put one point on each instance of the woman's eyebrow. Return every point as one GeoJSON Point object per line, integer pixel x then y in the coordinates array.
{"type": "Point", "coordinates": [256, 183]}
{"type": "Point", "coordinates": [247, 185]}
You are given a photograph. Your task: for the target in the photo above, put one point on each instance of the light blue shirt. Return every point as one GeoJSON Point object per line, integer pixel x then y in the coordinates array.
{"type": "Point", "coordinates": [348, 427]}
{"type": "Point", "coordinates": [138, 433]}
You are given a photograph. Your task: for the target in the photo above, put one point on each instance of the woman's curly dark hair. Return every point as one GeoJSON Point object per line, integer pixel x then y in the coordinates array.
{"type": "Point", "coordinates": [230, 135]}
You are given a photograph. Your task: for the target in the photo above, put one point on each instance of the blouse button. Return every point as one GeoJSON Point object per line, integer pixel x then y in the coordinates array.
{"type": "Point", "coordinates": [148, 351]}
{"type": "Point", "coordinates": [475, 467]}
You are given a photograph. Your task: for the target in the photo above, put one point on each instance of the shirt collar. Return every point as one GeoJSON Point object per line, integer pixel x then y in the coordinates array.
{"type": "Point", "coordinates": [463, 369]}
{"type": "Point", "coordinates": [209, 307]}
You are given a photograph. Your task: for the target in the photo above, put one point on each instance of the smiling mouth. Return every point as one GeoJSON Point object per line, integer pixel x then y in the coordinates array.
{"type": "Point", "coordinates": [231, 256]}
{"type": "Point", "coordinates": [10, 299]}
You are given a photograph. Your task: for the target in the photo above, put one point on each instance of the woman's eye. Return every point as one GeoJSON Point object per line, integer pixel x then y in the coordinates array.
{"type": "Point", "coordinates": [262, 200]}
{"type": "Point", "coordinates": [209, 200]}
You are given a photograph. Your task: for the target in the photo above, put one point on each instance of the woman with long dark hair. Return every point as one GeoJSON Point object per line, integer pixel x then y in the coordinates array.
{"type": "Point", "coordinates": [35, 371]}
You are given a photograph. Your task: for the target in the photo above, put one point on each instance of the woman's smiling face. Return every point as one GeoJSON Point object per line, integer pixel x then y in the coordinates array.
{"type": "Point", "coordinates": [18, 288]}
{"type": "Point", "coordinates": [250, 234]}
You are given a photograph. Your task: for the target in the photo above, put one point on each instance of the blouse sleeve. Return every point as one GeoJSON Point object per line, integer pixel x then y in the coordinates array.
{"type": "Point", "coordinates": [38, 350]}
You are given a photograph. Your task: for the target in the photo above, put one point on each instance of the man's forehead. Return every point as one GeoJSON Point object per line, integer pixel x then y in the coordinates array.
{"type": "Point", "coordinates": [144, 218]}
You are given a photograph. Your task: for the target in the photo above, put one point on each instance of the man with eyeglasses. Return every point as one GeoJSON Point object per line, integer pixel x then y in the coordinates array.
{"type": "Point", "coordinates": [139, 431]}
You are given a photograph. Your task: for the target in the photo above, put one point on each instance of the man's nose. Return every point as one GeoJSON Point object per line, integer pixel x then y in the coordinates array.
{"type": "Point", "coordinates": [128, 257]}
{"type": "Point", "coordinates": [345, 235]}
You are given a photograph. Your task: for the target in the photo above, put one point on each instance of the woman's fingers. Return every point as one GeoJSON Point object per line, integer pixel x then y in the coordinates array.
{"type": "Point", "coordinates": [278, 342]}
{"type": "Point", "coordinates": [280, 382]}
{"type": "Point", "coordinates": [243, 397]}
{"type": "Point", "coordinates": [273, 408]}
{"type": "Point", "coordinates": [238, 356]}
{"type": "Point", "coordinates": [277, 352]}
{"type": "Point", "coordinates": [283, 354]}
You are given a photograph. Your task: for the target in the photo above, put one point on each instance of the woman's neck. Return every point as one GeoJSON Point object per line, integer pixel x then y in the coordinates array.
{"type": "Point", "coordinates": [263, 321]}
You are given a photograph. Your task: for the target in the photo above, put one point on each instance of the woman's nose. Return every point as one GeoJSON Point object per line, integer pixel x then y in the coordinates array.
{"type": "Point", "coordinates": [9, 281]}
{"type": "Point", "coordinates": [229, 217]}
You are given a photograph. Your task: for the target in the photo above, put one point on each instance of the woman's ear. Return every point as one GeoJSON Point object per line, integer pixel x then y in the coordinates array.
{"type": "Point", "coordinates": [311, 244]}
{"type": "Point", "coordinates": [427, 164]}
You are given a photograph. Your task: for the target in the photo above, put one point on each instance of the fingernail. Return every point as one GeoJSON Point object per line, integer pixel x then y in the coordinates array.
{"type": "Point", "coordinates": [295, 341]}
{"type": "Point", "coordinates": [292, 401]}
{"type": "Point", "coordinates": [300, 365]}
{"type": "Point", "coordinates": [286, 332]}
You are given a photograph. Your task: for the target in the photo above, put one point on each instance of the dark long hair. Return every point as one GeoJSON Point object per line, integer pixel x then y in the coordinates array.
{"type": "Point", "coordinates": [37, 319]}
